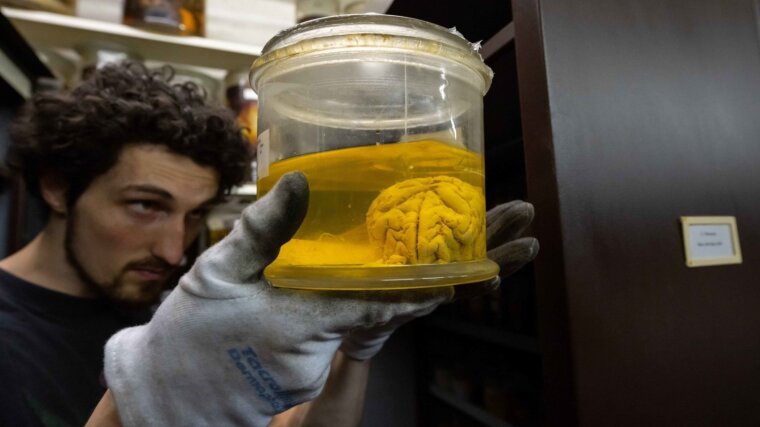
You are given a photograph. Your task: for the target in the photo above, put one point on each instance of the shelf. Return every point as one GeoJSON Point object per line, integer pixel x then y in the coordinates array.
{"type": "Point", "coordinates": [44, 29]}
{"type": "Point", "coordinates": [505, 36]}
{"type": "Point", "coordinates": [246, 190]}
{"type": "Point", "coordinates": [468, 408]}
{"type": "Point", "coordinates": [503, 338]}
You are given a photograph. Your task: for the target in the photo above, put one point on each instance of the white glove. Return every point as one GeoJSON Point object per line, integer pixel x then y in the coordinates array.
{"type": "Point", "coordinates": [505, 224]}
{"type": "Point", "coordinates": [226, 348]}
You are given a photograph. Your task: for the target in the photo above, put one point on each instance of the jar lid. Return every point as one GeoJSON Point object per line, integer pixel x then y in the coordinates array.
{"type": "Point", "coordinates": [345, 32]}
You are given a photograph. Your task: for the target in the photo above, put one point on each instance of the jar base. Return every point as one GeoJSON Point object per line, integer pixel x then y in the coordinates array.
{"type": "Point", "coordinates": [391, 277]}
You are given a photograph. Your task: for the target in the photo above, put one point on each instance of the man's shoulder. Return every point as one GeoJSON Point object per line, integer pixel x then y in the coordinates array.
{"type": "Point", "coordinates": [17, 327]}
{"type": "Point", "coordinates": [11, 302]}
{"type": "Point", "coordinates": [10, 285]}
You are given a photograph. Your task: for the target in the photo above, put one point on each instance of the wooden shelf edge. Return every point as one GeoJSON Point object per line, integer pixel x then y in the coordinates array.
{"type": "Point", "coordinates": [44, 29]}
{"type": "Point", "coordinates": [468, 408]}
{"type": "Point", "coordinates": [505, 36]}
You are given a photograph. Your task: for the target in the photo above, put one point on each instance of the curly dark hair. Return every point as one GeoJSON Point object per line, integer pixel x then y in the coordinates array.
{"type": "Point", "coordinates": [80, 134]}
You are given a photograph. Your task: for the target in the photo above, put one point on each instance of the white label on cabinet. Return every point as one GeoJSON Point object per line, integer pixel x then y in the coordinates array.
{"type": "Point", "coordinates": [262, 154]}
{"type": "Point", "coordinates": [711, 241]}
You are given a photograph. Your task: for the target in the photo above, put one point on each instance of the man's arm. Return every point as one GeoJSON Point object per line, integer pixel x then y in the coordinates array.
{"type": "Point", "coordinates": [105, 414]}
{"type": "Point", "coordinates": [341, 402]}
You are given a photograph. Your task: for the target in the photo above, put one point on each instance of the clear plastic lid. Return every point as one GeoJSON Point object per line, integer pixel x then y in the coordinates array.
{"type": "Point", "coordinates": [382, 32]}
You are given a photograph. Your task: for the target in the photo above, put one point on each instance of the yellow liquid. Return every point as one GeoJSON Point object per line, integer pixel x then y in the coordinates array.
{"type": "Point", "coordinates": [333, 250]}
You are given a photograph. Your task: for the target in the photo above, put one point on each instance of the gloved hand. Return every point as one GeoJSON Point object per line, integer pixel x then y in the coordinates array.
{"type": "Point", "coordinates": [226, 348]}
{"type": "Point", "coordinates": [504, 224]}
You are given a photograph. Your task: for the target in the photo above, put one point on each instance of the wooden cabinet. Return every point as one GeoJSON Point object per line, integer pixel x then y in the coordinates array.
{"type": "Point", "coordinates": [635, 113]}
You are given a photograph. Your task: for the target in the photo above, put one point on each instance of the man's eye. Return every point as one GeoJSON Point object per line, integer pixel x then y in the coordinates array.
{"type": "Point", "coordinates": [143, 206]}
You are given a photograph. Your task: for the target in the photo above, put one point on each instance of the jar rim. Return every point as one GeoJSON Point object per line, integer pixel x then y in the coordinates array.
{"type": "Point", "coordinates": [371, 31]}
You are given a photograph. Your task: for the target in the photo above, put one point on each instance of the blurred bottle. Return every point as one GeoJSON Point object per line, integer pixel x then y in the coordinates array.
{"type": "Point", "coordinates": [66, 7]}
{"type": "Point", "coordinates": [244, 102]}
{"type": "Point", "coordinates": [307, 10]}
{"type": "Point", "coordinates": [210, 84]}
{"type": "Point", "coordinates": [182, 17]}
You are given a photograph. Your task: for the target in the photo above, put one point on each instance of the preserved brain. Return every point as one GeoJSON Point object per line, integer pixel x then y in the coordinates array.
{"type": "Point", "coordinates": [428, 220]}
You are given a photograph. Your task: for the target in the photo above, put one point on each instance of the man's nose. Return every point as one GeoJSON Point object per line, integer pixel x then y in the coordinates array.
{"type": "Point", "coordinates": [170, 243]}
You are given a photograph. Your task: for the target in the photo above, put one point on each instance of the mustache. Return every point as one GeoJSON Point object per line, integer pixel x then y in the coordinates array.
{"type": "Point", "coordinates": [151, 264]}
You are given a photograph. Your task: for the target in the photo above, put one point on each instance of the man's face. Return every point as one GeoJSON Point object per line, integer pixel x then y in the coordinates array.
{"type": "Point", "coordinates": [129, 230]}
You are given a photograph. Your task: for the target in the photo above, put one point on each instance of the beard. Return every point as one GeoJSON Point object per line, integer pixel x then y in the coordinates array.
{"type": "Point", "coordinates": [120, 290]}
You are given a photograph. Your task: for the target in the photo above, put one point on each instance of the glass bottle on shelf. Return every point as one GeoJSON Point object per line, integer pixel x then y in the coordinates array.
{"type": "Point", "coordinates": [208, 82]}
{"type": "Point", "coordinates": [181, 17]}
{"type": "Point", "coordinates": [65, 7]}
{"type": "Point", "coordinates": [244, 102]}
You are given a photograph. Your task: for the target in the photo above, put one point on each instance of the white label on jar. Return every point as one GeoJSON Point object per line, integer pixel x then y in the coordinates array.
{"type": "Point", "coordinates": [262, 154]}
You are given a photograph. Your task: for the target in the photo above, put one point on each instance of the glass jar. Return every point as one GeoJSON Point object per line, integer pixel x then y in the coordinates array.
{"type": "Point", "coordinates": [208, 83]}
{"type": "Point", "coordinates": [384, 115]}
{"type": "Point", "coordinates": [65, 7]}
{"type": "Point", "coordinates": [181, 17]}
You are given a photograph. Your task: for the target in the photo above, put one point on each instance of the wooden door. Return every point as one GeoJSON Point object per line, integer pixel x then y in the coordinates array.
{"type": "Point", "coordinates": [636, 113]}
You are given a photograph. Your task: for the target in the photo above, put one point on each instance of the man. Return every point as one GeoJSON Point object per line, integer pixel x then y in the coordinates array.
{"type": "Point", "coordinates": [128, 166]}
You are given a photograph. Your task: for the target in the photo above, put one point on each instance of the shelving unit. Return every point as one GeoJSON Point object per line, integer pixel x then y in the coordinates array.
{"type": "Point", "coordinates": [473, 411]}
{"type": "Point", "coordinates": [501, 338]}
{"type": "Point", "coordinates": [44, 29]}
{"type": "Point", "coordinates": [491, 344]}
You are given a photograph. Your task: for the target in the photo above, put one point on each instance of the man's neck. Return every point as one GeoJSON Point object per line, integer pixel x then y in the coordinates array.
{"type": "Point", "coordinates": [43, 262]}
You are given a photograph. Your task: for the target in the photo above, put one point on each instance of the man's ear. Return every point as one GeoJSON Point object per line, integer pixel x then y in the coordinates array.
{"type": "Point", "coordinates": [54, 190]}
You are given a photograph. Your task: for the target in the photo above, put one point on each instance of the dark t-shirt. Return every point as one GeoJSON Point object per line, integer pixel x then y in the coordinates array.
{"type": "Point", "coordinates": [51, 353]}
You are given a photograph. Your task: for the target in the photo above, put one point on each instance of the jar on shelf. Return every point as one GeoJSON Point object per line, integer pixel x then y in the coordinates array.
{"type": "Point", "coordinates": [181, 17]}
{"type": "Point", "coordinates": [243, 101]}
{"type": "Point", "coordinates": [202, 77]}
{"type": "Point", "coordinates": [66, 7]}
{"type": "Point", "coordinates": [384, 115]}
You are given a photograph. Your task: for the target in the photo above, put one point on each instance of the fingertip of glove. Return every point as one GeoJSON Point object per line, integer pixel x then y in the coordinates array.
{"type": "Point", "coordinates": [534, 247]}
{"type": "Point", "coordinates": [526, 211]}
{"type": "Point", "coordinates": [294, 182]}
{"type": "Point", "coordinates": [295, 188]}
